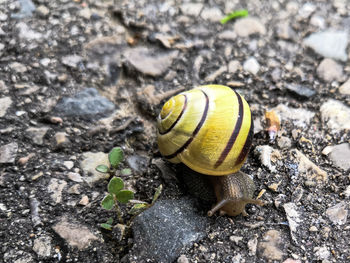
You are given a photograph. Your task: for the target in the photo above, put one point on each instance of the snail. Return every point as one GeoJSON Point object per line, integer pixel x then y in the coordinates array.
{"type": "Point", "coordinates": [210, 130]}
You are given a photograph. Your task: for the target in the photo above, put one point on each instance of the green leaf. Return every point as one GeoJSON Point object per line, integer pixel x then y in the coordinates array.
{"type": "Point", "coordinates": [138, 208]}
{"type": "Point", "coordinates": [109, 221]}
{"type": "Point", "coordinates": [102, 168]}
{"type": "Point", "coordinates": [233, 15]}
{"type": "Point", "coordinates": [157, 193]}
{"type": "Point", "coordinates": [115, 156]}
{"type": "Point", "coordinates": [106, 226]}
{"type": "Point", "coordinates": [108, 202]}
{"type": "Point", "coordinates": [126, 171]}
{"type": "Point", "coordinates": [124, 196]}
{"type": "Point", "coordinates": [115, 185]}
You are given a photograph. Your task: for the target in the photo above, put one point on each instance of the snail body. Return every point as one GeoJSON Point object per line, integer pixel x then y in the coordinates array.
{"type": "Point", "coordinates": [210, 130]}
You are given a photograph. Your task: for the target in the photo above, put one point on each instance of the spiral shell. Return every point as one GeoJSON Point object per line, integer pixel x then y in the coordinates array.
{"type": "Point", "coordinates": [208, 128]}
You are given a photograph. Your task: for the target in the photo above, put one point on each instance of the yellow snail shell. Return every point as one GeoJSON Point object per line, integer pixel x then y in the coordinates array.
{"type": "Point", "coordinates": [210, 130]}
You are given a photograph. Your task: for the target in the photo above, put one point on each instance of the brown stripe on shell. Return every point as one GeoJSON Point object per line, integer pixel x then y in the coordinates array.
{"type": "Point", "coordinates": [234, 134]}
{"type": "Point", "coordinates": [196, 130]}
{"type": "Point", "coordinates": [247, 144]}
{"type": "Point", "coordinates": [178, 117]}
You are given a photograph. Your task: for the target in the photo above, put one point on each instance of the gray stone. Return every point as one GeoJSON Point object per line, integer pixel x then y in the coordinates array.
{"type": "Point", "coordinates": [3, 88]}
{"type": "Point", "coordinates": [18, 67]}
{"type": "Point", "coordinates": [330, 44]}
{"type": "Point", "coordinates": [162, 231]}
{"type": "Point", "coordinates": [183, 259]}
{"type": "Point", "coordinates": [227, 35]}
{"type": "Point", "coordinates": [249, 25]}
{"type": "Point", "coordinates": [306, 10]}
{"type": "Point", "coordinates": [284, 142]}
{"type": "Point", "coordinates": [345, 88]}
{"type": "Point", "coordinates": [55, 188]}
{"type": "Point", "coordinates": [72, 61]}
{"type": "Point", "coordinates": [335, 115]}
{"type": "Point", "coordinates": [8, 152]}
{"type": "Point", "coordinates": [338, 213]}
{"type": "Point", "coordinates": [86, 104]}
{"type": "Point", "coordinates": [284, 31]}
{"type": "Point", "coordinates": [293, 217]}
{"type": "Point", "coordinates": [322, 253]}
{"type": "Point", "coordinates": [42, 246]}
{"type": "Point", "coordinates": [27, 9]}
{"type": "Point", "coordinates": [42, 11]}
{"type": "Point", "coordinates": [37, 134]}
{"type": "Point", "coordinates": [251, 65]}
{"type": "Point", "coordinates": [24, 32]}
{"type": "Point", "coordinates": [329, 70]}
{"type": "Point", "coordinates": [17, 256]}
{"type": "Point", "coordinates": [75, 234]}
{"type": "Point", "coordinates": [264, 153]}
{"type": "Point", "coordinates": [191, 9]}
{"type": "Point", "coordinates": [300, 117]}
{"type": "Point", "coordinates": [301, 91]}
{"type": "Point", "coordinates": [340, 156]}
{"type": "Point", "coordinates": [5, 103]}
{"type": "Point", "coordinates": [149, 62]}
{"type": "Point", "coordinates": [137, 162]}
{"type": "Point", "coordinates": [270, 246]}
{"type": "Point", "coordinates": [234, 66]}
{"type": "Point", "coordinates": [211, 14]}
{"type": "Point", "coordinates": [89, 163]}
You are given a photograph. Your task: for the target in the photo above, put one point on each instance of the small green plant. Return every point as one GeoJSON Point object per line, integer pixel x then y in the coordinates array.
{"type": "Point", "coordinates": [116, 192]}
{"type": "Point", "coordinates": [233, 15]}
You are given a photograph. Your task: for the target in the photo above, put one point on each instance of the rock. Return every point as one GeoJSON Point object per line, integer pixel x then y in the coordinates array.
{"type": "Point", "coordinates": [167, 173]}
{"type": "Point", "coordinates": [322, 253]}
{"type": "Point", "coordinates": [55, 188]}
{"type": "Point", "coordinates": [236, 239]}
{"type": "Point", "coordinates": [183, 259]}
{"type": "Point", "coordinates": [213, 14]}
{"type": "Point", "coordinates": [284, 31]}
{"type": "Point", "coordinates": [27, 9]}
{"type": "Point", "coordinates": [318, 21]}
{"type": "Point", "coordinates": [301, 91]}
{"type": "Point", "coordinates": [284, 142]}
{"type": "Point", "coordinates": [335, 115]}
{"type": "Point", "coordinates": [138, 163]}
{"type": "Point", "coordinates": [329, 70]}
{"type": "Point", "coordinates": [267, 154]}
{"type": "Point", "coordinates": [338, 213]}
{"type": "Point", "coordinates": [234, 66]}
{"type": "Point", "coordinates": [75, 234]}
{"type": "Point", "coordinates": [306, 10]}
{"type": "Point", "coordinates": [72, 61]}
{"type": "Point", "coordinates": [68, 164]}
{"type": "Point", "coordinates": [24, 160]}
{"type": "Point", "coordinates": [251, 65]}
{"type": "Point", "coordinates": [5, 103]}
{"type": "Point", "coordinates": [347, 192]}
{"type": "Point", "coordinates": [61, 139]}
{"type": "Point", "coordinates": [339, 155]}
{"type": "Point", "coordinates": [308, 169]}
{"type": "Point", "coordinates": [252, 246]}
{"type": "Point", "coordinates": [42, 11]}
{"type": "Point", "coordinates": [249, 25]}
{"type": "Point", "coordinates": [300, 117]}
{"type": "Point", "coordinates": [227, 35]}
{"type": "Point", "coordinates": [84, 200]}
{"type": "Point", "coordinates": [191, 9]}
{"type": "Point", "coordinates": [293, 218]}
{"type": "Point", "coordinates": [211, 77]}
{"type": "Point", "coordinates": [34, 211]}
{"type": "Point", "coordinates": [17, 256]}
{"type": "Point", "coordinates": [75, 177]}
{"type": "Point", "coordinates": [161, 233]}
{"type": "Point", "coordinates": [149, 62]}
{"type": "Point", "coordinates": [270, 247]}
{"type": "Point", "coordinates": [8, 153]}
{"type": "Point", "coordinates": [18, 67]}
{"type": "Point", "coordinates": [89, 163]}
{"type": "Point", "coordinates": [24, 32]}
{"type": "Point", "coordinates": [329, 43]}
{"type": "Point", "coordinates": [86, 104]}
{"type": "Point", "coordinates": [42, 246]}
{"type": "Point", "coordinates": [345, 88]}
{"type": "Point", "coordinates": [3, 88]}
{"type": "Point", "coordinates": [37, 134]}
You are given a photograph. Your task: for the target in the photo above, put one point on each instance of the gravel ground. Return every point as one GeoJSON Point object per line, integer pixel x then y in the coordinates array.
{"type": "Point", "coordinates": [78, 78]}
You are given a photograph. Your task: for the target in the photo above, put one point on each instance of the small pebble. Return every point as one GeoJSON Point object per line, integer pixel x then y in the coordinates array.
{"type": "Point", "coordinates": [84, 200]}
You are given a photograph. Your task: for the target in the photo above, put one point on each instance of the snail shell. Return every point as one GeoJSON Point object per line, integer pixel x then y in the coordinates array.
{"type": "Point", "coordinates": [210, 130]}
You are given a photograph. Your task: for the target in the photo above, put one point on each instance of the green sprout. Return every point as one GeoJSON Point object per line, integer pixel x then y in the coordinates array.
{"type": "Point", "coordinates": [116, 192]}
{"type": "Point", "coordinates": [233, 15]}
